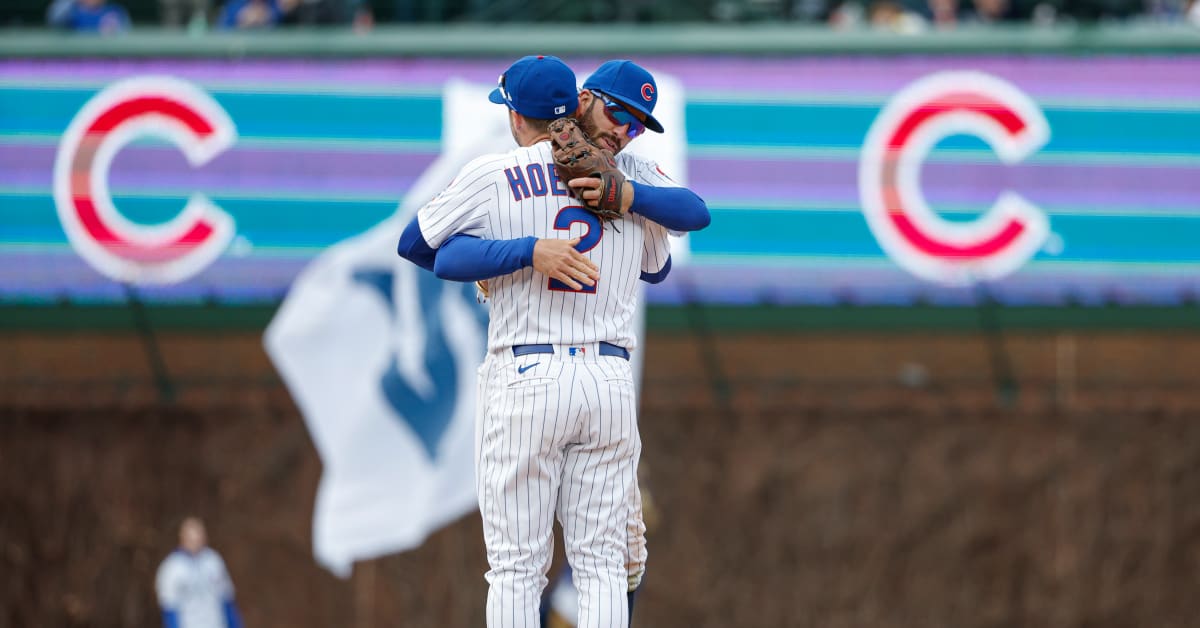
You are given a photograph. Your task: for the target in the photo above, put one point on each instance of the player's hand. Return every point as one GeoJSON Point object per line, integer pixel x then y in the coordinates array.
{"type": "Point", "coordinates": [588, 190]}
{"type": "Point", "coordinates": [559, 260]}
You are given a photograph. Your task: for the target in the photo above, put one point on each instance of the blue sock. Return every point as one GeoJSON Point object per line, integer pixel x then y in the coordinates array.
{"type": "Point", "coordinates": [631, 595]}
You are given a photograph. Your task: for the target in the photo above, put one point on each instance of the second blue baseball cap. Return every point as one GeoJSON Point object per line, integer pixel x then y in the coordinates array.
{"type": "Point", "coordinates": [538, 87]}
{"type": "Point", "coordinates": [629, 83]}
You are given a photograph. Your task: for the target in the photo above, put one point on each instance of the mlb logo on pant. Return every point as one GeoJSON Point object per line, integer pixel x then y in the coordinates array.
{"type": "Point", "coordinates": [574, 351]}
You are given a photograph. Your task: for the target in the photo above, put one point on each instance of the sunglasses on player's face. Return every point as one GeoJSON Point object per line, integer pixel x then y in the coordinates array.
{"type": "Point", "coordinates": [619, 115]}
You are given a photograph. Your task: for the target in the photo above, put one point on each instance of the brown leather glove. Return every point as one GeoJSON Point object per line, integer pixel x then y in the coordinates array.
{"type": "Point", "coordinates": [575, 156]}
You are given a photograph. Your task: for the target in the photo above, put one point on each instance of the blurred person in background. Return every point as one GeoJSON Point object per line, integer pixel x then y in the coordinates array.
{"type": "Point", "coordinates": [194, 589]}
{"type": "Point", "coordinates": [991, 12]}
{"type": "Point", "coordinates": [176, 13]}
{"type": "Point", "coordinates": [88, 16]}
{"type": "Point", "coordinates": [254, 14]}
{"type": "Point", "coordinates": [845, 15]}
{"type": "Point", "coordinates": [1166, 10]}
{"type": "Point", "coordinates": [363, 16]}
{"type": "Point", "coordinates": [892, 16]}
{"type": "Point", "coordinates": [943, 14]}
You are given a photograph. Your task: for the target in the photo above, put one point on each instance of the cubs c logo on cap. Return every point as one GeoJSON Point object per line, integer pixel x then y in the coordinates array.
{"type": "Point", "coordinates": [647, 92]}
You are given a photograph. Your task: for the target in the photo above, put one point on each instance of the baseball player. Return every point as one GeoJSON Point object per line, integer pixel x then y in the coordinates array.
{"type": "Point", "coordinates": [194, 589]}
{"type": "Point", "coordinates": [556, 430]}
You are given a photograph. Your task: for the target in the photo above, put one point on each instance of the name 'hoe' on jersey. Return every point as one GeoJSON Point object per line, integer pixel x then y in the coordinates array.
{"type": "Point", "coordinates": [534, 180]}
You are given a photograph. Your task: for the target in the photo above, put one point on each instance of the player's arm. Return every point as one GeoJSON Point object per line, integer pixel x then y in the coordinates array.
{"type": "Point", "coordinates": [465, 258]}
{"type": "Point", "coordinates": [233, 619]}
{"type": "Point", "coordinates": [676, 208]}
{"type": "Point", "coordinates": [660, 199]}
{"type": "Point", "coordinates": [461, 208]}
{"type": "Point", "coordinates": [413, 246]}
{"type": "Point", "coordinates": [648, 191]}
{"type": "Point", "coordinates": [471, 258]}
{"type": "Point", "coordinates": [468, 258]}
{"type": "Point", "coordinates": [166, 585]}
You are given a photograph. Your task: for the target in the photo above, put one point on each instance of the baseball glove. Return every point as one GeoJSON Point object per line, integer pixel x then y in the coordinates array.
{"type": "Point", "coordinates": [575, 156]}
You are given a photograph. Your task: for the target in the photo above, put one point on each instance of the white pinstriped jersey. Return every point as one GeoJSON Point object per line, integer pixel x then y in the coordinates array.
{"type": "Point", "coordinates": [519, 194]}
{"type": "Point", "coordinates": [196, 587]}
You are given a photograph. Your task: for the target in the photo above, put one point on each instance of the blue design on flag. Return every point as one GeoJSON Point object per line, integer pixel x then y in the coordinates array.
{"type": "Point", "coordinates": [428, 418]}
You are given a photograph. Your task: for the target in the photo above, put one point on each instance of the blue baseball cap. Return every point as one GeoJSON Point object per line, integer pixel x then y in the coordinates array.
{"type": "Point", "coordinates": [539, 86]}
{"type": "Point", "coordinates": [629, 83]}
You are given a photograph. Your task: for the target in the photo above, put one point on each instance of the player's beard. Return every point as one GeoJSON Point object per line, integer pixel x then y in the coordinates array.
{"type": "Point", "coordinates": [588, 123]}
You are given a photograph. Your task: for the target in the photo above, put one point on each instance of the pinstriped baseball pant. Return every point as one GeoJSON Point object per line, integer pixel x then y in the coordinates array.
{"type": "Point", "coordinates": [557, 434]}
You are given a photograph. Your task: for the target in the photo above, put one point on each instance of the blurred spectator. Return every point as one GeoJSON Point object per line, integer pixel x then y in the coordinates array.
{"type": "Point", "coordinates": [254, 14]}
{"type": "Point", "coordinates": [194, 589]}
{"type": "Point", "coordinates": [176, 13]}
{"type": "Point", "coordinates": [991, 11]}
{"type": "Point", "coordinates": [95, 16]}
{"type": "Point", "coordinates": [890, 15]}
{"type": "Point", "coordinates": [943, 14]}
{"type": "Point", "coordinates": [846, 15]}
{"type": "Point", "coordinates": [364, 17]}
{"type": "Point", "coordinates": [887, 15]}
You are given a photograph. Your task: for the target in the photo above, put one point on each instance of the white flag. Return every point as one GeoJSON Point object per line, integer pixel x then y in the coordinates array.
{"type": "Point", "coordinates": [381, 357]}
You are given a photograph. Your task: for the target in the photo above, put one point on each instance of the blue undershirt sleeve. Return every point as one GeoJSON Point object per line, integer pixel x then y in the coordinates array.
{"type": "Point", "coordinates": [170, 618]}
{"type": "Point", "coordinates": [468, 258]}
{"type": "Point", "coordinates": [232, 618]}
{"type": "Point", "coordinates": [677, 209]}
{"type": "Point", "coordinates": [414, 248]}
{"type": "Point", "coordinates": [658, 276]}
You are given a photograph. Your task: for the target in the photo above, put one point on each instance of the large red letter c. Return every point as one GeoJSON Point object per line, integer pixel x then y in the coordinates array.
{"type": "Point", "coordinates": [166, 108]}
{"type": "Point", "coordinates": [937, 106]}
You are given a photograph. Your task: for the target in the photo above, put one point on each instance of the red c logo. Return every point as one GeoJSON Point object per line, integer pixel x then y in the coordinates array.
{"type": "Point", "coordinates": [162, 107]}
{"type": "Point", "coordinates": [647, 92]}
{"type": "Point", "coordinates": [920, 115]}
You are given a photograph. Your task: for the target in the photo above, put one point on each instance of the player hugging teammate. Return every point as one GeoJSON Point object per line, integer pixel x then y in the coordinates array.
{"type": "Point", "coordinates": [561, 228]}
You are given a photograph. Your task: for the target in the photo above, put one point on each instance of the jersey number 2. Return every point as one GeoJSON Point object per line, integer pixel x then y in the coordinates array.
{"type": "Point", "coordinates": [566, 217]}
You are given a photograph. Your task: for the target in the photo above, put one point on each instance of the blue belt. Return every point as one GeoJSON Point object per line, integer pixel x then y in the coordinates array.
{"type": "Point", "coordinates": [606, 348]}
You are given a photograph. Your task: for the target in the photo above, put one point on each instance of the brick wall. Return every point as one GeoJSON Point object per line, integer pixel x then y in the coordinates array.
{"type": "Point", "coordinates": [802, 480]}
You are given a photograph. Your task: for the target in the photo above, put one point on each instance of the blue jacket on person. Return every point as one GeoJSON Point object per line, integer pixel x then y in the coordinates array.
{"type": "Point", "coordinates": [105, 18]}
{"type": "Point", "coordinates": [228, 18]}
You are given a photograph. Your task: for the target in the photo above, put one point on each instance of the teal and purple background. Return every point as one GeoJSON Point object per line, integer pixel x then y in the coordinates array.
{"type": "Point", "coordinates": [327, 149]}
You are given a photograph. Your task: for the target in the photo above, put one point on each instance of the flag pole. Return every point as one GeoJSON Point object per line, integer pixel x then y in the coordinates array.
{"type": "Point", "coordinates": [141, 322]}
